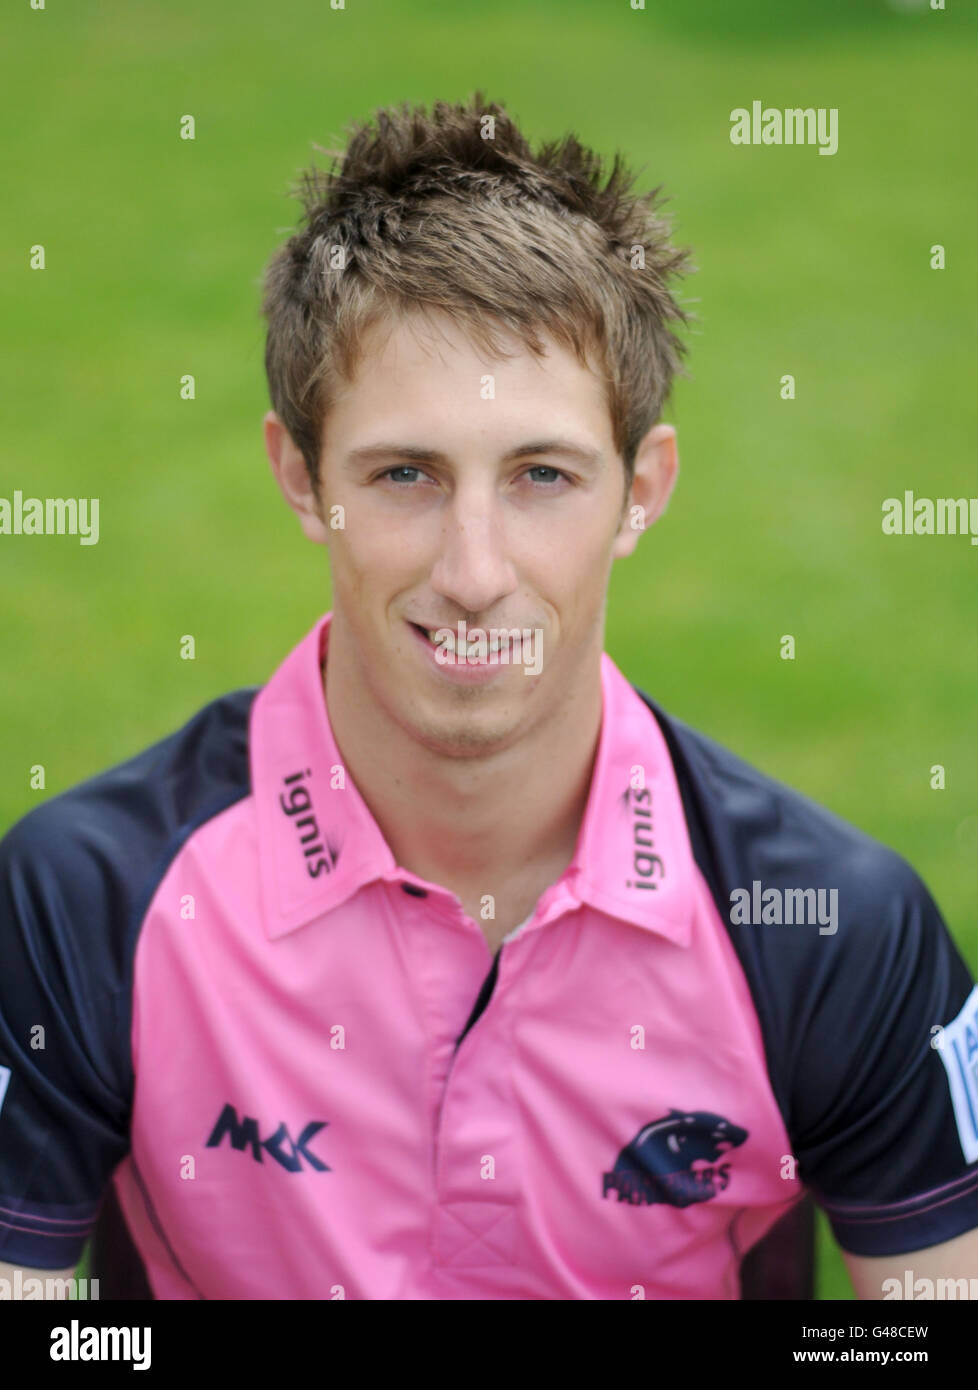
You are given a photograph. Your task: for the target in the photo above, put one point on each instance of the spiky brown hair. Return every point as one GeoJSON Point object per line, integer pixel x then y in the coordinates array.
{"type": "Point", "coordinates": [453, 211]}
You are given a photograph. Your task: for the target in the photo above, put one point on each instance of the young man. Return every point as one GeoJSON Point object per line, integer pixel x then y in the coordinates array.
{"type": "Point", "coordinates": [425, 970]}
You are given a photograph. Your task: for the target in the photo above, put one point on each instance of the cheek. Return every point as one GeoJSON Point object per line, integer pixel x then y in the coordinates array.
{"type": "Point", "coordinates": [362, 552]}
{"type": "Point", "coordinates": [578, 571]}
{"type": "Point", "coordinates": [367, 567]}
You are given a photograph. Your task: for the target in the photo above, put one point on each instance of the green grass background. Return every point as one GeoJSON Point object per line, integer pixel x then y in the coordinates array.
{"type": "Point", "coordinates": [812, 265]}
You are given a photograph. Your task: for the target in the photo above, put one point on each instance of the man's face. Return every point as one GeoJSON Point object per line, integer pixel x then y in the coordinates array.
{"type": "Point", "coordinates": [444, 521]}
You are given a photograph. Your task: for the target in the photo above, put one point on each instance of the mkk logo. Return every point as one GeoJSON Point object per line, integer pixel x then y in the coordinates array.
{"type": "Point", "coordinates": [280, 1145]}
{"type": "Point", "coordinates": [672, 1160]}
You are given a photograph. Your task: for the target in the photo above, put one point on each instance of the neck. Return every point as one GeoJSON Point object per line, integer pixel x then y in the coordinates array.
{"type": "Point", "coordinates": [494, 819]}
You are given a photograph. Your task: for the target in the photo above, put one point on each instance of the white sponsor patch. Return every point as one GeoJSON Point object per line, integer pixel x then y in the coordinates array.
{"type": "Point", "coordinates": [4, 1079]}
{"type": "Point", "coordinates": [958, 1049]}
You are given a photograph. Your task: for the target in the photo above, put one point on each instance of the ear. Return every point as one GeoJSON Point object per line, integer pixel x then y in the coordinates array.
{"type": "Point", "coordinates": [656, 467]}
{"type": "Point", "coordinates": [292, 476]}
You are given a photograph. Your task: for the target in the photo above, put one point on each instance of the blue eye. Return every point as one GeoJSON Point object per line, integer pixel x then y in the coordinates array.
{"type": "Point", "coordinates": [401, 468]}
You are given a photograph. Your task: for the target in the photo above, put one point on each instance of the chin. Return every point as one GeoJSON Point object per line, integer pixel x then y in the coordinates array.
{"type": "Point", "coordinates": [458, 736]}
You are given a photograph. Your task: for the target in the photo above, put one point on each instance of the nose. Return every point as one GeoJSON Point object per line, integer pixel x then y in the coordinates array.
{"type": "Point", "coordinates": [474, 569]}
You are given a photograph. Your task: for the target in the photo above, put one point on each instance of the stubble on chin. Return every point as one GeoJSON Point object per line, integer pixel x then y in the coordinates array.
{"type": "Point", "coordinates": [465, 730]}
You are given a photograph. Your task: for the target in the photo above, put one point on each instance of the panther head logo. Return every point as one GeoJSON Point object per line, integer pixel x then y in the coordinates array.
{"type": "Point", "coordinates": [674, 1159]}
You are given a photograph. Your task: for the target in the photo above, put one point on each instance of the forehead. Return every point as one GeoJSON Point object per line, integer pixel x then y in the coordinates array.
{"type": "Point", "coordinates": [425, 361]}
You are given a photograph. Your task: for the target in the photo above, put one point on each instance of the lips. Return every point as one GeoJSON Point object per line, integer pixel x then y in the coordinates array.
{"type": "Point", "coordinates": [492, 645]}
{"type": "Point", "coordinates": [456, 669]}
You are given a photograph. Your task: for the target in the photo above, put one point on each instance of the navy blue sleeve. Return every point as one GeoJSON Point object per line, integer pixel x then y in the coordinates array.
{"type": "Point", "coordinates": [883, 1121]}
{"type": "Point", "coordinates": [76, 876]}
{"type": "Point", "coordinates": [63, 1048]}
{"type": "Point", "coordinates": [870, 1030]}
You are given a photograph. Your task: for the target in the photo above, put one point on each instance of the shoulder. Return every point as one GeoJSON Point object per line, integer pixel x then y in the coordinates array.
{"type": "Point", "coordinates": [744, 822]}
{"type": "Point", "coordinates": [76, 873]}
{"type": "Point", "coordinates": [874, 964]}
{"type": "Point", "coordinates": [859, 1010]}
{"type": "Point", "coordinates": [155, 790]}
{"type": "Point", "coordinates": [83, 854]}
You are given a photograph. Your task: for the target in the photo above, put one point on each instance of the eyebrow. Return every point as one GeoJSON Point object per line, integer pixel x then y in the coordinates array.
{"type": "Point", "coordinates": [561, 447]}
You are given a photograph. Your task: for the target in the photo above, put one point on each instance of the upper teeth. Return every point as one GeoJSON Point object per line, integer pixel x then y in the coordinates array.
{"type": "Point", "coordinates": [462, 646]}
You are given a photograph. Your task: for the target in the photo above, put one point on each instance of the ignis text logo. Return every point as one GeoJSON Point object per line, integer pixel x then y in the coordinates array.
{"type": "Point", "coordinates": [646, 865]}
{"type": "Point", "coordinates": [793, 126]}
{"type": "Point", "coordinates": [495, 646]}
{"type": "Point", "coordinates": [298, 802]}
{"type": "Point", "coordinates": [761, 907]}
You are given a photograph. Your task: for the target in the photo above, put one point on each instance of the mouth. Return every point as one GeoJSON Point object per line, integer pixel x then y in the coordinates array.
{"type": "Point", "coordinates": [426, 632]}
{"type": "Point", "coordinates": [459, 664]}
{"type": "Point", "coordinates": [461, 650]}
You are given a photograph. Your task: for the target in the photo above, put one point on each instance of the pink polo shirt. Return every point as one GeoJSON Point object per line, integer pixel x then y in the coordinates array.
{"type": "Point", "coordinates": [310, 1079]}
{"type": "Point", "coordinates": [302, 997]}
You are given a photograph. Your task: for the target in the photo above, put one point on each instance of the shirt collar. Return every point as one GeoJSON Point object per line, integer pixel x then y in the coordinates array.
{"type": "Point", "coordinates": [318, 842]}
